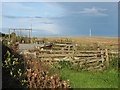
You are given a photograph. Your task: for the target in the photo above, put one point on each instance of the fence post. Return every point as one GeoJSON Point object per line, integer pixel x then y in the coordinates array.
{"type": "Point", "coordinates": [98, 53]}
{"type": "Point", "coordinates": [69, 54]}
{"type": "Point", "coordinates": [107, 58]}
{"type": "Point", "coordinates": [62, 50]}
{"type": "Point", "coordinates": [102, 56]}
{"type": "Point", "coordinates": [98, 49]}
{"type": "Point", "coordinates": [73, 52]}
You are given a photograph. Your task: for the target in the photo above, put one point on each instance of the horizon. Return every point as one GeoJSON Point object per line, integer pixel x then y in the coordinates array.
{"type": "Point", "coordinates": [70, 36]}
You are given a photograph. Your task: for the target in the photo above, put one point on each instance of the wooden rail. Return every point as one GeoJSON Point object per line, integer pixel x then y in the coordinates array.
{"type": "Point", "coordinates": [64, 55]}
{"type": "Point", "coordinates": [92, 51]}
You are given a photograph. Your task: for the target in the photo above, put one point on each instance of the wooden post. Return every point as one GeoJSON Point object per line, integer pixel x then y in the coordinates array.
{"type": "Point", "coordinates": [35, 55]}
{"type": "Point", "coordinates": [98, 54]}
{"type": "Point", "coordinates": [62, 50]}
{"type": "Point", "coordinates": [74, 51]}
{"type": "Point", "coordinates": [20, 33]}
{"type": "Point", "coordinates": [98, 49]}
{"type": "Point", "coordinates": [15, 35]}
{"type": "Point", "coordinates": [29, 36]}
{"type": "Point", "coordinates": [107, 58]}
{"type": "Point", "coordinates": [102, 56]}
{"type": "Point", "coordinates": [69, 55]}
{"type": "Point", "coordinates": [14, 30]}
{"type": "Point", "coordinates": [9, 34]}
{"type": "Point", "coordinates": [69, 48]}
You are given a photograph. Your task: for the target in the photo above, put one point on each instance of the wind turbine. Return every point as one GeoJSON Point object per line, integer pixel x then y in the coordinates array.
{"type": "Point", "coordinates": [90, 33]}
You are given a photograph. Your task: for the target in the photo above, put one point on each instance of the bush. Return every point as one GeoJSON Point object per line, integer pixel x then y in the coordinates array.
{"type": "Point", "coordinates": [65, 64]}
{"type": "Point", "coordinates": [12, 70]}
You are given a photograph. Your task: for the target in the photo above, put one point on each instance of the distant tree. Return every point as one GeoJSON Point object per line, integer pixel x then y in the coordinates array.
{"type": "Point", "coordinates": [2, 35]}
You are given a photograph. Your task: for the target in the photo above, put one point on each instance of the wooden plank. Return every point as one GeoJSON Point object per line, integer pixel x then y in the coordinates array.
{"type": "Point", "coordinates": [90, 61]}
{"type": "Point", "coordinates": [85, 55]}
{"type": "Point", "coordinates": [60, 44]}
{"type": "Point", "coordinates": [56, 52]}
{"type": "Point", "coordinates": [91, 58]}
{"type": "Point", "coordinates": [52, 55]}
{"type": "Point", "coordinates": [79, 61]}
{"type": "Point", "coordinates": [97, 67]}
{"type": "Point", "coordinates": [113, 52]}
{"type": "Point", "coordinates": [92, 64]}
{"type": "Point", "coordinates": [63, 55]}
{"type": "Point", "coordinates": [94, 51]}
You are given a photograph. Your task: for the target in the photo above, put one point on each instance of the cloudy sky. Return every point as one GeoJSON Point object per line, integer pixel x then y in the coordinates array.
{"type": "Point", "coordinates": [62, 18]}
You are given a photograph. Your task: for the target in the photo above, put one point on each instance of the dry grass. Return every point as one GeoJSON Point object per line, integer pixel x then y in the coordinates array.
{"type": "Point", "coordinates": [88, 42]}
{"type": "Point", "coordinates": [86, 39]}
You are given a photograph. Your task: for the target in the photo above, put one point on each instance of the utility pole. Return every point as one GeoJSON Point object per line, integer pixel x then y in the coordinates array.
{"type": "Point", "coordinates": [31, 30]}
{"type": "Point", "coordinates": [31, 34]}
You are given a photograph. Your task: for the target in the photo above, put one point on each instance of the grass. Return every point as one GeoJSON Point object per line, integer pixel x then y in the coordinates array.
{"type": "Point", "coordinates": [84, 79]}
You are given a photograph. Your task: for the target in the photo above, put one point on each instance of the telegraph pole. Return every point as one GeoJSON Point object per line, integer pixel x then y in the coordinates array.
{"type": "Point", "coordinates": [31, 34]}
{"type": "Point", "coordinates": [31, 30]}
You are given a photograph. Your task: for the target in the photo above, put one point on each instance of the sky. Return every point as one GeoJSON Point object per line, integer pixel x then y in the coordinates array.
{"type": "Point", "coordinates": [62, 18]}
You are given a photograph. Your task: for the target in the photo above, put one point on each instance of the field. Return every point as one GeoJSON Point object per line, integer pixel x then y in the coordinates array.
{"type": "Point", "coordinates": [87, 42]}
{"type": "Point", "coordinates": [85, 39]}
{"type": "Point", "coordinates": [46, 74]}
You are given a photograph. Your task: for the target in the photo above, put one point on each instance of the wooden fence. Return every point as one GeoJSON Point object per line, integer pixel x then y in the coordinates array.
{"type": "Point", "coordinates": [92, 59]}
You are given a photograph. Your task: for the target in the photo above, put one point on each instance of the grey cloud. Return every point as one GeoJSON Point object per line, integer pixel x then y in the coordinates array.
{"type": "Point", "coordinates": [94, 11]}
{"type": "Point", "coordinates": [35, 19]}
{"type": "Point", "coordinates": [14, 17]}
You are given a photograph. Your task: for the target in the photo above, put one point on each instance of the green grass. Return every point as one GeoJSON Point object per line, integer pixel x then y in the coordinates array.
{"type": "Point", "coordinates": [84, 79]}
